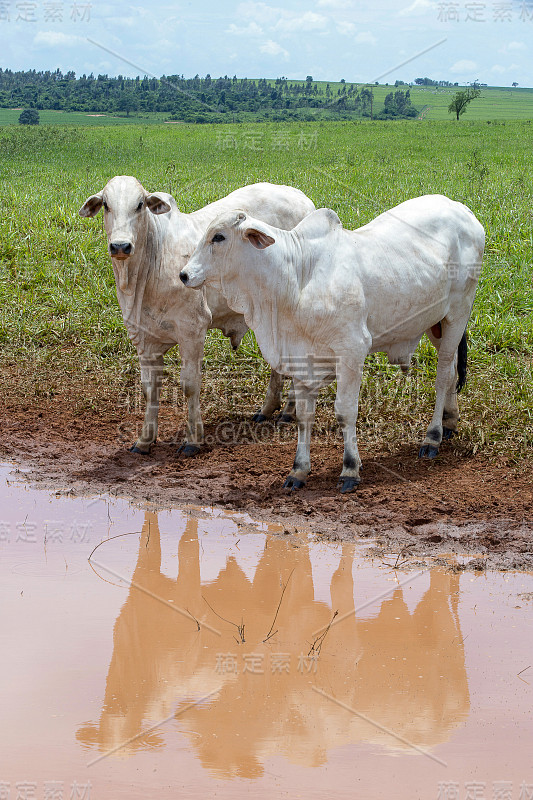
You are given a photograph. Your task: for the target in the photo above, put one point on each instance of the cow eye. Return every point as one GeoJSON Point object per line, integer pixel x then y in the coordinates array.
{"type": "Point", "coordinates": [106, 207]}
{"type": "Point", "coordinates": [218, 237]}
{"type": "Point", "coordinates": [140, 205]}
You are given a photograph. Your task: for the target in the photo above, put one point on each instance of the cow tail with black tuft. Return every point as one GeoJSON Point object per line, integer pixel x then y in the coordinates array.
{"type": "Point", "coordinates": [462, 358]}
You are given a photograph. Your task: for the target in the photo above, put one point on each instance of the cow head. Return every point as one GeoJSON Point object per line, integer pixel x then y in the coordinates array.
{"type": "Point", "coordinates": [125, 202]}
{"type": "Point", "coordinates": [224, 248]}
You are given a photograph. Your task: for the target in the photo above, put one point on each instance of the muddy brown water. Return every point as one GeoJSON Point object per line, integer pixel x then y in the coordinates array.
{"type": "Point", "coordinates": [200, 654]}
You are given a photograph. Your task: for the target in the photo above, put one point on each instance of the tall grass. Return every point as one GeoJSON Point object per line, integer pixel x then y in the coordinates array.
{"type": "Point", "coordinates": [61, 325]}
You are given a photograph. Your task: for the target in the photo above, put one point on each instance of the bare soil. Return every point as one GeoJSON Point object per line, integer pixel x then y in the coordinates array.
{"type": "Point", "coordinates": [416, 511]}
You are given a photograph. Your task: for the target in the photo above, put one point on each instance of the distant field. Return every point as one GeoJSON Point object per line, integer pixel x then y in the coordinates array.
{"type": "Point", "coordinates": [60, 321]}
{"type": "Point", "coordinates": [9, 116]}
{"type": "Point", "coordinates": [494, 104]}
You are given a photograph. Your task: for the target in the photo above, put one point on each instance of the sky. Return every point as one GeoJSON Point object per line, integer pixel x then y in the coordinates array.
{"type": "Point", "coordinates": [383, 41]}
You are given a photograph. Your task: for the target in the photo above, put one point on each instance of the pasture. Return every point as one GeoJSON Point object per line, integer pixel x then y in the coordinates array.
{"type": "Point", "coordinates": [62, 334]}
{"type": "Point", "coordinates": [494, 104]}
{"type": "Point", "coordinates": [10, 116]}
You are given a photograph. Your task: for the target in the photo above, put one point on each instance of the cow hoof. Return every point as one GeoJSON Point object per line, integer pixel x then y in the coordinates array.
{"type": "Point", "coordinates": [188, 450]}
{"type": "Point", "coordinates": [135, 449]}
{"type": "Point", "coordinates": [293, 484]}
{"type": "Point", "coordinates": [348, 484]}
{"type": "Point", "coordinates": [428, 451]}
{"type": "Point", "coordinates": [447, 433]}
{"type": "Point", "coordinates": [285, 419]}
{"type": "Point", "coordinates": [259, 417]}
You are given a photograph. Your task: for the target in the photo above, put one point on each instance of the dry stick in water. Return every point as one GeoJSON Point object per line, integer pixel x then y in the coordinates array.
{"type": "Point", "coordinates": [132, 533]}
{"type": "Point", "coordinates": [105, 580]}
{"type": "Point", "coordinates": [396, 565]}
{"type": "Point", "coordinates": [194, 618]}
{"type": "Point", "coordinates": [270, 634]}
{"type": "Point", "coordinates": [240, 627]}
{"type": "Point", "coordinates": [316, 650]}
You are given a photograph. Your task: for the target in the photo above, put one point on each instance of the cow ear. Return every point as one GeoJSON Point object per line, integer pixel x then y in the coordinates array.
{"type": "Point", "coordinates": [259, 239]}
{"type": "Point", "coordinates": [92, 205]}
{"type": "Point", "coordinates": [157, 204]}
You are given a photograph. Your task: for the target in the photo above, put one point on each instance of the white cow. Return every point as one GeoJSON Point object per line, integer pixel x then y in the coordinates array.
{"type": "Point", "coordinates": [320, 298]}
{"type": "Point", "coordinates": [150, 240]}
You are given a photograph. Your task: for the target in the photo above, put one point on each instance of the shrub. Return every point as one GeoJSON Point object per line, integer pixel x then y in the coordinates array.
{"type": "Point", "coordinates": [30, 116]}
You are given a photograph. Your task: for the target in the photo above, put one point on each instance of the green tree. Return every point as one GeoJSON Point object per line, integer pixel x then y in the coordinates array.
{"type": "Point", "coordinates": [30, 116]}
{"type": "Point", "coordinates": [398, 105]}
{"type": "Point", "coordinates": [462, 99]}
{"type": "Point", "coordinates": [127, 102]}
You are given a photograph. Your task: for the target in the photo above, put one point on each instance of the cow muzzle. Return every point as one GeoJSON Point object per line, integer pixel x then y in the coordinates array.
{"type": "Point", "coordinates": [192, 281]}
{"type": "Point", "coordinates": [120, 250]}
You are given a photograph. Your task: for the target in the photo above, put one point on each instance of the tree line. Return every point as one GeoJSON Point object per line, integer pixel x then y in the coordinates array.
{"type": "Point", "coordinates": [197, 99]}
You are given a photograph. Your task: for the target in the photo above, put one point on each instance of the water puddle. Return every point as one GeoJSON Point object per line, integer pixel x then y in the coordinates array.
{"type": "Point", "coordinates": [199, 655]}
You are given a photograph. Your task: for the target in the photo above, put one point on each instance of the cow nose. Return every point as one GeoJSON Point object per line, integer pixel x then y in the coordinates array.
{"type": "Point", "coordinates": [123, 248]}
{"type": "Point", "coordinates": [184, 277]}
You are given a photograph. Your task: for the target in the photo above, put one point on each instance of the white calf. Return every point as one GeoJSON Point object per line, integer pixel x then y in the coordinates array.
{"type": "Point", "coordinates": [150, 241]}
{"type": "Point", "coordinates": [320, 298]}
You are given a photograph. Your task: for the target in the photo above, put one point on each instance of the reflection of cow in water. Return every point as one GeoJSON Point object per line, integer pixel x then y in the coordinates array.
{"type": "Point", "coordinates": [404, 671]}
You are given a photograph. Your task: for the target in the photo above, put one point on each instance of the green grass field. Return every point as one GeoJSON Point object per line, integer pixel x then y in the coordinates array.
{"type": "Point", "coordinates": [493, 104]}
{"type": "Point", "coordinates": [61, 326]}
{"type": "Point", "coordinates": [10, 116]}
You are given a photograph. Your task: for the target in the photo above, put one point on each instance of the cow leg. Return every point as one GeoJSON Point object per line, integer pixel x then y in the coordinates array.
{"type": "Point", "coordinates": [305, 399]}
{"type": "Point", "coordinates": [446, 407]}
{"type": "Point", "coordinates": [349, 377]}
{"type": "Point", "coordinates": [151, 377]}
{"type": "Point", "coordinates": [450, 415]}
{"type": "Point", "coordinates": [191, 352]}
{"type": "Point", "coordinates": [272, 399]}
{"type": "Point", "coordinates": [288, 412]}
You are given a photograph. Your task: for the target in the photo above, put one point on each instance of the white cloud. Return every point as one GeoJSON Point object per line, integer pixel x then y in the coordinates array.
{"type": "Point", "coordinates": [417, 7]}
{"type": "Point", "coordinates": [346, 28]}
{"type": "Point", "coordinates": [310, 21]}
{"type": "Point", "coordinates": [271, 48]}
{"type": "Point", "coordinates": [512, 47]}
{"type": "Point", "coordinates": [365, 37]}
{"type": "Point", "coordinates": [57, 39]}
{"type": "Point", "coordinates": [281, 19]}
{"type": "Point", "coordinates": [463, 66]}
{"type": "Point", "coordinates": [260, 12]}
{"type": "Point", "coordinates": [253, 29]}
{"type": "Point", "coordinates": [335, 3]}
{"type": "Point", "coordinates": [499, 70]}
{"type": "Point", "coordinates": [129, 22]}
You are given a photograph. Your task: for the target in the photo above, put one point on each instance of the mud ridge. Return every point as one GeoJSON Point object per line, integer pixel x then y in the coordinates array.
{"type": "Point", "coordinates": [414, 512]}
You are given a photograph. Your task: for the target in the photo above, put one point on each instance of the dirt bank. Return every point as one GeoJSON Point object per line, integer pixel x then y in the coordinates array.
{"type": "Point", "coordinates": [420, 510]}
